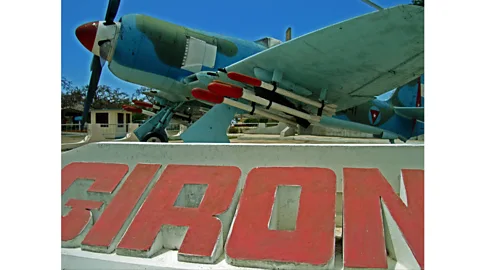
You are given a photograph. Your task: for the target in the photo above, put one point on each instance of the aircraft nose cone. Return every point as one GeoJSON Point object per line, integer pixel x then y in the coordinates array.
{"type": "Point", "coordinates": [86, 34]}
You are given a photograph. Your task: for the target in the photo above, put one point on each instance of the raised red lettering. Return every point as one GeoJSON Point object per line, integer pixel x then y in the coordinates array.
{"type": "Point", "coordinates": [101, 236]}
{"type": "Point", "coordinates": [308, 240]}
{"type": "Point", "coordinates": [106, 177]}
{"type": "Point", "coordinates": [365, 191]}
{"type": "Point", "coordinates": [176, 202]}
{"type": "Point", "coordinates": [77, 220]}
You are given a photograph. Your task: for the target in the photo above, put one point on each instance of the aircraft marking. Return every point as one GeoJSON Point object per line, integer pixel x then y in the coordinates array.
{"type": "Point", "coordinates": [374, 116]}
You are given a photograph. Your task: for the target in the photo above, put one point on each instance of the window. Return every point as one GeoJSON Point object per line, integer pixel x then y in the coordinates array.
{"type": "Point", "coordinates": [101, 118]}
{"type": "Point", "coordinates": [120, 119]}
{"type": "Point", "coordinates": [128, 118]}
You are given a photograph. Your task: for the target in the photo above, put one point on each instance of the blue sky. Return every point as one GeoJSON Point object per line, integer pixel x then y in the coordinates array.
{"type": "Point", "coordinates": [233, 18]}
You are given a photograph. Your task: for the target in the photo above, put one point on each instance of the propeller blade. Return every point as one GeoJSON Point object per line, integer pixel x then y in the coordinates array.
{"type": "Point", "coordinates": [92, 87]}
{"type": "Point", "coordinates": [111, 11]}
{"type": "Point", "coordinates": [102, 62]}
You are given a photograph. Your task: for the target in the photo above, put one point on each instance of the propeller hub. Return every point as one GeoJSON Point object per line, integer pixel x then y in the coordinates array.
{"type": "Point", "coordinates": [86, 34]}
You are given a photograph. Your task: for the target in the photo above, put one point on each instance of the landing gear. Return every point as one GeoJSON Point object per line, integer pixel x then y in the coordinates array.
{"type": "Point", "coordinates": [211, 127]}
{"type": "Point", "coordinates": [392, 141]}
{"type": "Point", "coordinates": [154, 129]}
{"type": "Point", "coordinates": [156, 136]}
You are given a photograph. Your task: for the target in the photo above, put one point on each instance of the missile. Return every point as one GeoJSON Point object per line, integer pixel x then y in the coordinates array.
{"type": "Point", "coordinates": [145, 104]}
{"type": "Point", "coordinates": [232, 91]}
{"type": "Point", "coordinates": [137, 110]}
{"type": "Point", "coordinates": [211, 97]}
{"type": "Point", "coordinates": [331, 108]}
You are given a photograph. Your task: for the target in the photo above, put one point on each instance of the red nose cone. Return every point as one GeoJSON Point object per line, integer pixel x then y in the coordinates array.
{"type": "Point", "coordinates": [86, 34]}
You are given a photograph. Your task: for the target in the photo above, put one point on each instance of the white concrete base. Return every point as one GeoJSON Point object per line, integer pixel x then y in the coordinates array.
{"type": "Point", "coordinates": [94, 134]}
{"type": "Point", "coordinates": [263, 129]}
{"type": "Point", "coordinates": [389, 159]}
{"type": "Point", "coordinates": [329, 131]}
{"type": "Point", "coordinates": [74, 258]}
{"type": "Point", "coordinates": [130, 137]}
{"type": "Point", "coordinates": [319, 139]}
{"type": "Point", "coordinates": [288, 131]}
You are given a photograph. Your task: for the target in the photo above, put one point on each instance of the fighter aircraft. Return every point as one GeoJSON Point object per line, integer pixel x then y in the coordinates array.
{"type": "Point", "coordinates": [300, 81]}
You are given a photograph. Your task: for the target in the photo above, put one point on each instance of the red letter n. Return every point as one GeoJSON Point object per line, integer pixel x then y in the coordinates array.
{"type": "Point", "coordinates": [286, 219]}
{"type": "Point", "coordinates": [372, 209]}
{"type": "Point", "coordinates": [190, 208]}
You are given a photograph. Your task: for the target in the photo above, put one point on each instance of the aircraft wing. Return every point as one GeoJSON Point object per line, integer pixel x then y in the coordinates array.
{"type": "Point", "coordinates": [355, 60]}
{"type": "Point", "coordinates": [410, 112]}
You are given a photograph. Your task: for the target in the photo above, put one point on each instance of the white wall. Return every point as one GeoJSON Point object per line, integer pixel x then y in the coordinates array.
{"type": "Point", "coordinates": [112, 130]}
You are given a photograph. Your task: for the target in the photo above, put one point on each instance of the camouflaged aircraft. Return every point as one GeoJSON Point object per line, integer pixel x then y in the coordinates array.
{"type": "Point", "coordinates": [301, 81]}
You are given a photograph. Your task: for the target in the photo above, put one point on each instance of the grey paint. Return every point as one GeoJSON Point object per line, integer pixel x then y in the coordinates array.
{"type": "Point", "coordinates": [355, 60]}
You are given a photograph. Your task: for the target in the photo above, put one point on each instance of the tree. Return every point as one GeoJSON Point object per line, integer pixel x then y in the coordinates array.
{"type": "Point", "coordinates": [72, 98]}
{"type": "Point", "coordinates": [71, 95]}
{"type": "Point", "coordinates": [105, 96]}
{"type": "Point", "coordinates": [138, 95]}
{"type": "Point", "coordinates": [66, 84]}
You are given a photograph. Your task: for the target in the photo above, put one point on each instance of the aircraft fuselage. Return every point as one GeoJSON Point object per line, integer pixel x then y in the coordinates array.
{"type": "Point", "coordinates": [158, 54]}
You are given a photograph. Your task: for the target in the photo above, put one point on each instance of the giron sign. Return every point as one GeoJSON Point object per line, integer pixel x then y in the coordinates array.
{"type": "Point", "coordinates": [281, 217]}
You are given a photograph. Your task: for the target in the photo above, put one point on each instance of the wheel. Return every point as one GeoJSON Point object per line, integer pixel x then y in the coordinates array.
{"type": "Point", "coordinates": [156, 136]}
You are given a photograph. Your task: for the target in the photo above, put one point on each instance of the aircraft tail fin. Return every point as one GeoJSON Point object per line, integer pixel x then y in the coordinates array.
{"type": "Point", "coordinates": [408, 103]}
{"type": "Point", "coordinates": [409, 95]}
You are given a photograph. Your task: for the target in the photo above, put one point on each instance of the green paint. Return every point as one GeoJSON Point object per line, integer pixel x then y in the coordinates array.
{"type": "Point", "coordinates": [223, 46]}
{"type": "Point", "coordinates": [170, 39]}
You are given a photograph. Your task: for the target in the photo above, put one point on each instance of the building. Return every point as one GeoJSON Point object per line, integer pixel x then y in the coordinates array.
{"type": "Point", "coordinates": [113, 121]}
{"type": "Point", "coordinates": [70, 113]}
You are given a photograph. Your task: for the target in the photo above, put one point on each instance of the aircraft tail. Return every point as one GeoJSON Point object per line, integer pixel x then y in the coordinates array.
{"type": "Point", "coordinates": [408, 102]}
{"type": "Point", "coordinates": [409, 95]}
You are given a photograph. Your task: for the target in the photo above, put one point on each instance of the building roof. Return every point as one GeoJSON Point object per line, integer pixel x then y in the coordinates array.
{"type": "Point", "coordinates": [108, 107]}
{"type": "Point", "coordinates": [75, 108]}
